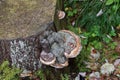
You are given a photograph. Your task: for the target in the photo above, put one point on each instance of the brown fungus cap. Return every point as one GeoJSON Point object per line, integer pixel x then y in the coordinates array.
{"type": "Point", "coordinates": [65, 44]}
{"type": "Point", "coordinates": [61, 14]}
{"type": "Point", "coordinates": [76, 46]}
{"type": "Point", "coordinates": [47, 58]}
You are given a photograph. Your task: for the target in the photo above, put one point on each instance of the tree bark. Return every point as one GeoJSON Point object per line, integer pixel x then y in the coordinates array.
{"type": "Point", "coordinates": [24, 52]}
{"type": "Point", "coordinates": [60, 24]}
{"type": "Point", "coordinates": [21, 45]}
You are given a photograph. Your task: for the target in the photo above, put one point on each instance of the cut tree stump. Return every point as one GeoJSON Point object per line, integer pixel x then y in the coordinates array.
{"type": "Point", "coordinates": [28, 37]}
{"type": "Point", "coordinates": [22, 26]}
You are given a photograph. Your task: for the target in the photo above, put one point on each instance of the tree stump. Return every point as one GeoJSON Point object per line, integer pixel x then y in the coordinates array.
{"type": "Point", "coordinates": [23, 24]}
{"type": "Point", "coordinates": [28, 38]}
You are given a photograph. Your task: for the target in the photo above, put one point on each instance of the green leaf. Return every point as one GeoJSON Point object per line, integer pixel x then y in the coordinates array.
{"type": "Point", "coordinates": [4, 65]}
{"type": "Point", "coordinates": [70, 13]}
{"type": "Point", "coordinates": [109, 2]}
{"type": "Point", "coordinates": [85, 41]}
{"type": "Point", "coordinates": [115, 7]}
{"type": "Point", "coordinates": [93, 34]}
{"type": "Point", "coordinates": [8, 73]}
{"type": "Point", "coordinates": [96, 44]}
{"type": "Point", "coordinates": [112, 33]}
{"type": "Point", "coordinates": [75, 11]}
{"type": "Point", "coordinates": [106, 39]}
{"type": "Point", "coordinates": [112, 45]}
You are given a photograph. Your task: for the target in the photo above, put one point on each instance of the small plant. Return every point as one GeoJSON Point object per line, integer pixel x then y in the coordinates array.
{"type": "Point", "coordinates": [7, 73]}
{"type": "Point", "coordinates": [97, 24]}
{"type": "Point", "coordinates": [72, 9]}
{"type": "Point", "coordinates": [98, 18]}
{"type": "Point", "coordinates": [40, 74]}
{"type": "Point", "coordinates": [96, 29]}
{"type": "Point", "coordinates": [64, 77]}
{"type": "Point", "coordinates": [115, 4]}
{"type": "Point", "coordinates": [83, 57]}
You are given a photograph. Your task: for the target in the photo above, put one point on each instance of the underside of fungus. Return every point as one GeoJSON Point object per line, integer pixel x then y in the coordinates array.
{"type": "Point", "coordinates": [60, 65]}
{"type": "Point", "coordinates": [58, 47]}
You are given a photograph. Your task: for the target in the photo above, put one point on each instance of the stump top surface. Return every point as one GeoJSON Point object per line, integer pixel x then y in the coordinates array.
{"type": "Point", "coordinates": [22, 18]}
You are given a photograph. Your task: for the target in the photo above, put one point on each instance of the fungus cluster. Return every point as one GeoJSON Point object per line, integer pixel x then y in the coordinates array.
{"type": "Point", "coordinates": [57, 47]}
{"type": "Point", "coordinates": [52, 48]}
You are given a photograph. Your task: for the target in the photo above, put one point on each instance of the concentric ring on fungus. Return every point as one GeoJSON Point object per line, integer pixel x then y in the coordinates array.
{"type": "Point", "coordinates": [78, 45]}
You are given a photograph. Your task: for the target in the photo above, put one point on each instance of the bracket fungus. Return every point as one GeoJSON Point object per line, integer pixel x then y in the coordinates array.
{"type": "Point", "coordinates": [61, 14]}
{"type": "Point", "coordinates": [47, 58]}
{"type": "Point", "coordinates": [60, 46]}
{"type": "Point", "coordinates": [72, 44]}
